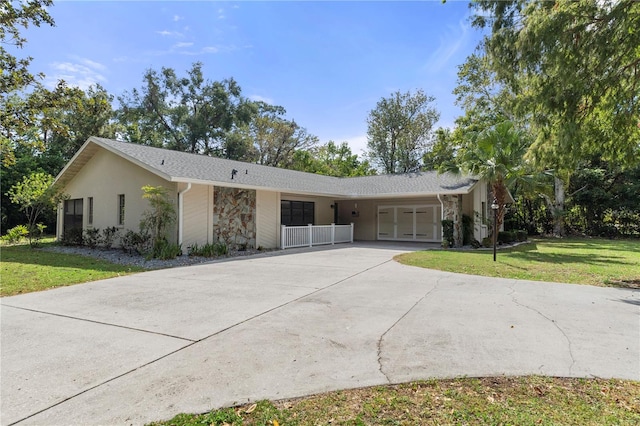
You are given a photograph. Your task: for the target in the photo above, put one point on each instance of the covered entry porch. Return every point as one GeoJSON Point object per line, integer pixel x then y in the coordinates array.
{"type": "Point", "coordinates": [402, 220]}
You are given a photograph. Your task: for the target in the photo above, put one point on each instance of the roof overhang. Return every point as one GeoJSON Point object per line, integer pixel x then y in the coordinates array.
{"type": "Point", "coordinates": [86, 153]}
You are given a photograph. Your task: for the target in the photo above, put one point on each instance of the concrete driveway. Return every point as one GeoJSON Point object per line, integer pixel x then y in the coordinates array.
{"type": "Point", "coordinates": [146, 347]}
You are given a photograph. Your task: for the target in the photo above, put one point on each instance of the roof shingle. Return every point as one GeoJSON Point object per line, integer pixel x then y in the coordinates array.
{"type": "Point", "coordinates": [179, 166]}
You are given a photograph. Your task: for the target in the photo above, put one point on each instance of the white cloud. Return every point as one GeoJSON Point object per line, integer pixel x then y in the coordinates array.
{"type": "Point", "coordinates": [182, 44]}
{"type": "Point", "coordinates": [81, 73]}
{"type": "Point", "coordinates": [177, 18]}
{"type": "Point", "coordinates": [258, 98]}
{"type": "Point", "coordinates": [358, 144]}
{"type": "Point", "coordinates": [166, 33]}
{"type": "Point", "coordinates": [450, 43]}
{"type": "Point", "coordinates": [221, 14]}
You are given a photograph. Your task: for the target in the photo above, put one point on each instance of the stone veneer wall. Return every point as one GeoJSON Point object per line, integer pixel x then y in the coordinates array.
{"type": "Point", "coordinates": [234, 217]}
{"type": "Point", "coordinates": [453, 211]}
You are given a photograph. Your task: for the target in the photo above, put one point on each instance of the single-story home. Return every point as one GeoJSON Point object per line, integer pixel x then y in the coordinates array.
{"type": "Point", "coordinates": [219, 199]}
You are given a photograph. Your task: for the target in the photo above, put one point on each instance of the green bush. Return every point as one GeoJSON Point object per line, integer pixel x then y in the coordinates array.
{"type": "Point", "coordinates": [72, 237]}
{"type": "Point", "coordinates": [36, 233]}
{"type": "Point", "coordinates": [108, 236]}
{"type": "Point", "coordinates": [209, 250]}
{"type": "Point", "coordinates": [506, 237]}
{"type": "Point", "coordinates": [164, 250]}
{"type": "Point", "coordinates": [92, 237]}
{"type": "Point", "coordinates": [521, 235]}
{"type": "Point", "coordinates": [135, 242]}
{"type": "Point", "coordinates": [447, 232]}
{"type": "Point", "coordinates": [467, 229]}
{"type": "Point", "coordinates": [487, 242]}
{"type": "Point", "coordinates": [16, 234]}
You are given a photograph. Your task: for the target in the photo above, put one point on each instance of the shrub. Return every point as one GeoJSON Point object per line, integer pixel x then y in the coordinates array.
{"type": "Point", "coordinates": [467, 229]}
{"type": "Point", "coordinates": [16, 234]}
{"type": "Point", "coordinates": [157, 220]}
{"type": "Point", "coordinates": [521, 235]}
{"type": "Point", "coordinates": [506, 237]}
{"type": "Point", "coordinates": [487, 242]}
{"type": "Point", "coordinates": [135, 242]}
{"type": "Point", "coordinates": [165, 250]}
{"type": "Point", "coordinates": [92, 237]}
{"type": "Point", "coordinates": [209, 250]}
{"type": "Point", "coordinates": [108, 236]}
{"type": "Point", "coordinates": [36, 233]}
{"type": "Point", "coordinates": [447, 232]}
{"type": "Point", "coordinates": [72, 237]}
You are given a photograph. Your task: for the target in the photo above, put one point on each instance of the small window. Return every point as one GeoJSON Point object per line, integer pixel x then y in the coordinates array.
{"type": "Point", "coordinates": [90, 212]}
{"type": "Point", "coordinates": [121, 209]}
{"type": "Point", "coordinates": [483, 213]}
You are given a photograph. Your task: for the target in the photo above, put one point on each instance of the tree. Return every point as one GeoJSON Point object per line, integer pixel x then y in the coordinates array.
{"type": "Point", "coordinates": [574, 68]}
{"type": "Point", "coordinates": [331, 160]}
{"type": "Point", "coordinates": [79, 114]}
{"type": "Point", "coordinates": [184, 113]}
{"type": "Point", "coordinates": [13, 15]}
{"type": "Point", "coordinates": [15, 76]}
{"type": "Point", "coordinates": [441, 151]}
{"type": "Point", "coordinates": [276, 139]}
{"type": "Point", "coordinates": [398, 131]}
{"type": "Point", "coordinates": [495, 156]}
{"type": "Point", "coordinates": [35, 194]}
{"type": "Point", "coordinates": [157, 221]}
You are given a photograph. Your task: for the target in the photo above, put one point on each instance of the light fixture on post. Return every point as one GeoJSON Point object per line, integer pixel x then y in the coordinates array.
{"type": "Point", "coordinates": [494, 207]}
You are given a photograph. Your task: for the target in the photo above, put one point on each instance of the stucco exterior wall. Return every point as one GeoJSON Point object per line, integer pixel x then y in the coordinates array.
{"type": "Point", "coordinates": [267, 219]}
{"type": "Point", "coordinates": [197, 224]}
{"type": "Point", "coordinates": [104, 177]}
{"type": "Point", "coordinates": [365, 219]}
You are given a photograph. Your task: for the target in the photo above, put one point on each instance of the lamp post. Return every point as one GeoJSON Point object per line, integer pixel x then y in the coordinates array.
{"type": "Point", "coordinates": [494, 207]}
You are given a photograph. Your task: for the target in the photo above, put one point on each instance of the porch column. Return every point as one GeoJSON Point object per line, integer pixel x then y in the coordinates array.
{"type": "Point", "coordinates": [452, 210]}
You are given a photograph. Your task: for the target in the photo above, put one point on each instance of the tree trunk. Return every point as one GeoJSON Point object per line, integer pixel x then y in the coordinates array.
{"type": "Point", "coordinates": [558, 207]}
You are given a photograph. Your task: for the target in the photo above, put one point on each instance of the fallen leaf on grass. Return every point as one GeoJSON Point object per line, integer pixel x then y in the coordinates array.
{"type": "Point", "coordinates": [251, 408]}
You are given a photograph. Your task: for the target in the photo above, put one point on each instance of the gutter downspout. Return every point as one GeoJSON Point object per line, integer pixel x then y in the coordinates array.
{"type": "Point", "coordinates": [441, 214]}
{"type": "Point", "coordinates": [181, 212]}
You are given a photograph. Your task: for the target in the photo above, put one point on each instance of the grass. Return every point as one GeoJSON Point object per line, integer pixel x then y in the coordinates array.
{"type": "Point", "coordinates": [25, 270]}
{"type": "Point", "coordinates": [579, 261]}
{"type": "Point", "coordinates": [499, 400]}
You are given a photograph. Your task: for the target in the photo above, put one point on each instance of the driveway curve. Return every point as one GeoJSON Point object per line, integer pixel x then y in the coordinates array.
{"type": "Point", "coordinates": [145, 347]}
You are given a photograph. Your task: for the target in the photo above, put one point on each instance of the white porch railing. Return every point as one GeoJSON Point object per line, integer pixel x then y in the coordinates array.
{"type": "Point", "coordinates": [315, 235]}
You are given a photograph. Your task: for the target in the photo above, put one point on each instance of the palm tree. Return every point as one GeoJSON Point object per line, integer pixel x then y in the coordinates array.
{"type": "Point", "coordinates": [495, 155]}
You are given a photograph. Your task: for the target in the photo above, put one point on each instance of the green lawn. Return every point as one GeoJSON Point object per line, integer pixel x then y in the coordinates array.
{"type": "Point", "coordinates": [25, 269]}
{"type": "Point", "coordinates": [492, 400]}
{"type": "Point", "coordinates": [580, 261]}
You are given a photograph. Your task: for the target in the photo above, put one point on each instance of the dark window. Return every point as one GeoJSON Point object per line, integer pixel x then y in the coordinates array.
{"type": "Point", "coordinates": [90, 213]}
{"type": "Point", "coordinates": [73, 214]}
{"type": "Point", "coordinates": [121, 209]}
{"type": "Point", "coordinates": [297, 213]}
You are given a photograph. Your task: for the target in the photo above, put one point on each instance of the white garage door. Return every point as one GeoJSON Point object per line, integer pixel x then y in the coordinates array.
{"type": "Point", "coordinates": [409, 223]}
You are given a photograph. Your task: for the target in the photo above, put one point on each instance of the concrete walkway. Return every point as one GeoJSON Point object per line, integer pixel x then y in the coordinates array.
{"type": "Point", "coordinates": [145, 347]}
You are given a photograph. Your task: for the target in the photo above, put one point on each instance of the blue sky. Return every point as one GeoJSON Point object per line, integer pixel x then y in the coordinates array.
{"type": "Point", "coordinates": [327, 63]}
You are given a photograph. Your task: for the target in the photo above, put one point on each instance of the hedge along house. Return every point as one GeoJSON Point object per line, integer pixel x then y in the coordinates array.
{"type": "Point", "coordinates": [246, 204]}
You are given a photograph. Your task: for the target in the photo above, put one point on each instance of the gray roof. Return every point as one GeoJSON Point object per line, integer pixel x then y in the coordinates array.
{"type": "Point", "coordinates": [178, 166]}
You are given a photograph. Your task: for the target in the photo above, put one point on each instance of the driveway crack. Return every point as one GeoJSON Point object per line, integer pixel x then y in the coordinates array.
{"type": "Point", "coordinates": [380, 340]}
{"type": "Point", "coordinates": [100, 322]}
{"type": "Point", "coordinates": [552, 321]}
